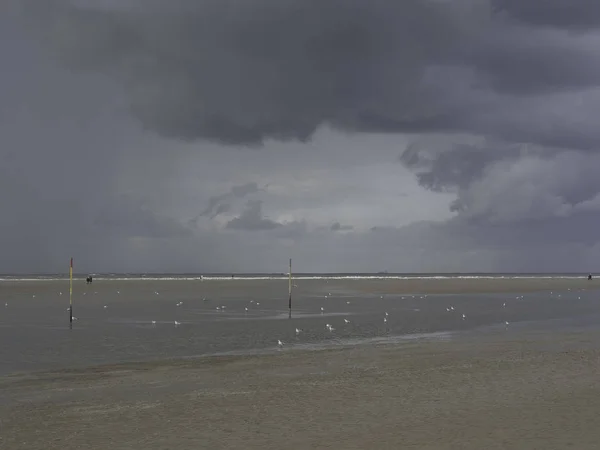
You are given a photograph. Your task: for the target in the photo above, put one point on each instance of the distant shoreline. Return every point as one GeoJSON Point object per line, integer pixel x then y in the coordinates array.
{"type": "Point", "coordinates": [369, 285]}
{"type": "Point", "coordinates": [297, 276]}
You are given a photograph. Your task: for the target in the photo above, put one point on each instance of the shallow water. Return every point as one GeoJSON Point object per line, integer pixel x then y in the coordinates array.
{"type": "Point", "coordinates": [115, 317]}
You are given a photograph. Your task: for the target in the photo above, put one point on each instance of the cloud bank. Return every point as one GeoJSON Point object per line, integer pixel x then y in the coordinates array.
{"type": "Point", "coordinates": [490, 105]}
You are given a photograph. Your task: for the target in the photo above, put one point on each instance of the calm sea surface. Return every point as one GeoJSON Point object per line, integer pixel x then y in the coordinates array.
{"type": "Point", "coordinates": [128, 318]}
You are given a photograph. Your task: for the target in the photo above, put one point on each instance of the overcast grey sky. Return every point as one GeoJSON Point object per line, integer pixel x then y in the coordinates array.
{"type": "Point", "coordinates": [350, 135]}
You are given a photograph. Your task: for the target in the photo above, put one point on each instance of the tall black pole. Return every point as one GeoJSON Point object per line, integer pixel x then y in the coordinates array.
{"type": "Point", "coordinates": [71, 294]}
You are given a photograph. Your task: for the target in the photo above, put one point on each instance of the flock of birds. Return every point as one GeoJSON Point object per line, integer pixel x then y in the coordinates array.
{"type": "Point", "coordinates": [329, 327]}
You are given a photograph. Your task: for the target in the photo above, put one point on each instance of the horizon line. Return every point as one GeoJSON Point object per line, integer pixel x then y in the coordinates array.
{"type": "Point", "coordinates": [221, 273]}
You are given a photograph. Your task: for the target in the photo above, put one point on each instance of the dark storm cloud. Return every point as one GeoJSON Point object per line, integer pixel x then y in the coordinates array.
{"type": "Point", "coordinates": [454, 167]}
{"type": "Point", "coordinates": [219, 204]}
{"type": "Point", "coordinates": [252, 219]}
{"type": "Point", "coordinates": [242, 72]}
{"type": "Point", "coordinates": [246, 71]}
{"type": "Point", "coordinates": [221, 209]}
{"type": "Point", "coordinates": [336, 226]}
{"type": "Point", "coordinates": [576, 14]}
{"type": "Point", "coordinates": [522, 61]}
{"type": "Point", "coordinates": [497, 182]}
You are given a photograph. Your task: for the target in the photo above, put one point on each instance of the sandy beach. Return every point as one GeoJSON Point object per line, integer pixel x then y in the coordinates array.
{"type": "Point", "coordinates": [514, 388]}
{"type": "Point", "coordinates": [474, 285]}
{"type": "Point", "coordinates": [526, 392]}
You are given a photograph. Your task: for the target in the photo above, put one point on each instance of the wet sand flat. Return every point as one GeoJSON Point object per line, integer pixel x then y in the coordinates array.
{"type": "Point", "coordinates": [278, 287]}
{"type": "Point", "coordinates": [523, 391]}
{"type": "Point", "coordinates": [136, 320]}
{"type": "Point", "coordinates": [455, 285]}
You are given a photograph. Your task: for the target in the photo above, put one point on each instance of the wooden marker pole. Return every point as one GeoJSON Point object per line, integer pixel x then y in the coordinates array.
{"type": "Point", "coordinates": [71, 293]}
{"type": "Point", "coordinates": [290, 288]}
